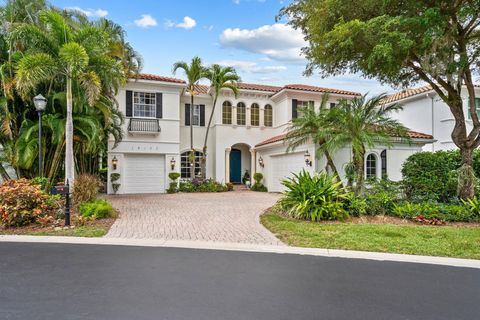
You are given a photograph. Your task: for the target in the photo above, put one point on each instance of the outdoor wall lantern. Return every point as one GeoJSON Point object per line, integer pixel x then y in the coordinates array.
{"type": "Point", "coordinates": [308, 159]}
{"type": "Point", "coordinates": [172, 163]}
{"type": "Point", "coordinates": [260, 162]}
{"type": "Point", "coordinates": [114, 163]}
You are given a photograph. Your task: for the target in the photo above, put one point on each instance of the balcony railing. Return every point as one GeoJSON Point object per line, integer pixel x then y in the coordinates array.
{"type": "Point", "coordinates": [140, 125]}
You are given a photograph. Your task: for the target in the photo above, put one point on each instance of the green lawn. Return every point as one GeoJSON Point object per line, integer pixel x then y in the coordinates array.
{"type": "Point", "coordinates": [81, 231]}
{"type": "Point", "coordinates": [461, 242]}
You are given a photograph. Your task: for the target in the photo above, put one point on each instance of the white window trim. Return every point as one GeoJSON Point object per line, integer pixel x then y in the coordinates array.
{"type": "Point", "coordinates": [154, 105]}
{"type": "Point", "coordinates": [244, 114]}
{"type": "Point", "coordinates": [378, 165]}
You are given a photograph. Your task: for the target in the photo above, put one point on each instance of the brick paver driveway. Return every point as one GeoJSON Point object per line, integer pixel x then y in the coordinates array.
{"type": "Point", "coordinates": [220, 217]}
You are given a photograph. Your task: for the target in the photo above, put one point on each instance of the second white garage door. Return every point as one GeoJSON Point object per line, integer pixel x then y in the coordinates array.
{"type": "Point", "coordinates": [282, 167]}
{"type": "Point", "coordinates": [144, 173]}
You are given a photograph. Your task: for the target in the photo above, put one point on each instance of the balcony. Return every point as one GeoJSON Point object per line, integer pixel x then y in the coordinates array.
{"type": "Point", "coordinates": [144, 126]}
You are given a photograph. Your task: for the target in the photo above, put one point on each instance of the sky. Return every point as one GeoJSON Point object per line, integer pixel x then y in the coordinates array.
{"type": "Point", "coordinates": [239, 33]}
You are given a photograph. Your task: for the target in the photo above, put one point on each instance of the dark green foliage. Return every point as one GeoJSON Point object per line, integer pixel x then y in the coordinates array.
{"type": "Point", "coordinates": [314, 197]}
{"type": "Point", "coordinates": [98, 209]}
{"type": "Point", "coordinates": [41, 181]}
{"type": "Point", "coordinates": [114, 177]}
{"type": "Point", "coordinates": [258, 177]}
{"type": "Point", "coordinates": [258, 186]}
{"type": "Point", "coordinates": [381, 196]}
{"type": "Point", "coordinates": [433, 176]}
{"type": "Point", "coordinates": [174, 176]}
{"type": "Point", "coordinates": [208, 185]}
{"type": "Point", "coordinates": [355, 206]}
{"type": "Point", "coordinates": [430, 210]}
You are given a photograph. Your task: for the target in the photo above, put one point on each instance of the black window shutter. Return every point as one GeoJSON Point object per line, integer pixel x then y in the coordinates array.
{"type": "Point", "coordinates": [187, 114]}
{"type": "Point", "coordinates": [129, 104]}
{"type": "Point", "coordinates": [202, 115]}
{"type": "Point", "coordinates": [383, 158]}
{"type": "Point", "coordinates": [294, 109]}
{"type": "Point", "coordinates": [159, 105]}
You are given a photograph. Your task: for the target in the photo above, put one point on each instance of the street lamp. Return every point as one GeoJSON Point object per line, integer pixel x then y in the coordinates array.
{"type": "Point", "coordinates": [40, 104]}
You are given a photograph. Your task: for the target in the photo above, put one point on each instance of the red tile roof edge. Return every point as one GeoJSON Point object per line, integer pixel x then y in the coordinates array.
{"type": "Point", "coordinates": [153, 77]}
{"type": "Point", "coordinates": [281, 137]}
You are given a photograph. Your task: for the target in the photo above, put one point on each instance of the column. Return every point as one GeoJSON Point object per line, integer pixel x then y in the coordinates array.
{"type": "Point", "coordinates": [253, 162]}
{"type": "Point", "coordinates": [227, 164]}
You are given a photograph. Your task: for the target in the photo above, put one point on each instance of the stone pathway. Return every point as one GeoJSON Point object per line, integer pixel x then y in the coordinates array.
{"type": "Point", "coordinates": [218, 217]}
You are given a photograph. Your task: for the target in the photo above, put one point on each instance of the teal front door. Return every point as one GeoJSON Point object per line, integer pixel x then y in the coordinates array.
{"type": "Point", "coordinates": [235, 166]}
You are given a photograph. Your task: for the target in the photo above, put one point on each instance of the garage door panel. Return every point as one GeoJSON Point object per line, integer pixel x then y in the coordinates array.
{"type": "Point", "coordinates": [144, 173]}
{"type": "Point", "coordinates": [283, 166]}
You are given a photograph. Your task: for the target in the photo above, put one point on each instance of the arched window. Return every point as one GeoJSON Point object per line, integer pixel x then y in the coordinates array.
{"type": "Point", "coordinates": [371, 166]}
{"type": "Point", "coordinates": [227, 113]}
{"type": "Point", "coordinates": [185, 164]}
{"type": "Point", "coordinates": [241, 114]}
{"type": "Point", "coordinates": [268, 116]}
{"type": "Point", "coordinates": [255, 115]}
{"type": "Point", "coordinates": [383, 159]}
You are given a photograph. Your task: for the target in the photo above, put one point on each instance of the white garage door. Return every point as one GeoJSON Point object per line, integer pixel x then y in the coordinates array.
{"type": "Point", "coordinates": [144, 173]}
{"type": "Point", "coordinates": [282, 167]}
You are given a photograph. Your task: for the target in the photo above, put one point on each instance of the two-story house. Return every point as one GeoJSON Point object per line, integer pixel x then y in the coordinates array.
{"type": "Point", "coordinates": [247, 134]}
{"type": "Point", "coordinates": [424, 111]}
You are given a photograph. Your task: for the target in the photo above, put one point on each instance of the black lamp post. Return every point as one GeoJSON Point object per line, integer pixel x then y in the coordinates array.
{"type": "Point", "coordinates": [40, 104]}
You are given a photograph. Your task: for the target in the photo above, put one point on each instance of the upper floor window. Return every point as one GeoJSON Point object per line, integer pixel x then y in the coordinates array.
{"type": "Point", "coordinates": [144, 104]}
{"type": "Point", "coordinates": [298, 106]}
{"type": "Point", "coordinates": [477, 107]}
{"type": "Point", "coordinates": [241, 114]}
{"type": "Point", "coordinates": [185, 164]}
{"type": "Point", "coordinates": [196, 115]}
{"type": "Point", "coordinates": [371, 166]}
{"type": "Point", "coordinates": [255, 115]}
{"type": "Point", "coordinates": [268, 116]}
{"type": "Point", "coordinates": [227, 113]}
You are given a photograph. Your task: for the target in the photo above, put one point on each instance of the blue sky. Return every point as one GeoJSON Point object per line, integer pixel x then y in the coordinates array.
{"type": "Point", "coordinates": [241, 33]}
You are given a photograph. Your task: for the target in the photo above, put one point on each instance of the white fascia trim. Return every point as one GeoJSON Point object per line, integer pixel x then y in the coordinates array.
{"type": "Point", "coordinates": [313, 93]}
{"type": "Point", "coordinates": [156, 82]}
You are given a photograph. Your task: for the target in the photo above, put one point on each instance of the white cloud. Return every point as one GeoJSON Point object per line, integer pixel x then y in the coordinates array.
{"type": "Point", "coordinates": [98, 13]}
{"type": "Point", "coordinates": [251, 67]}
{"type": "Point", "coordinates": [277, 41]}
{"type": "Point", "coordinates": [187, 24]}
{"type": "Point", "coordinates": [146, 21]}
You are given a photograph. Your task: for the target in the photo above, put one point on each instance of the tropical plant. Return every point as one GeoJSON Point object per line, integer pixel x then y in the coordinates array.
{"type": "Point", "coordinates": [313, 126]}
{"type": "Point", "coordinates": [399, 43]}
{"type": "Point", "coordinates": [314, 197]}
{"type": "Point", "coordinates": [97, 209]}
{"type": "Point", "coordinates": [86, 189]}
{"type": "Point", "coordinates": [220, 78]}
{"type": "Point", "coordinates": [361, 123]}
{"type": "Point", "coordinates": [195, 71]}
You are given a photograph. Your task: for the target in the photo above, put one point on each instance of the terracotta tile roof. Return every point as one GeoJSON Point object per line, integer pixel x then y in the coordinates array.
{"type": "Point", "coordinates": [304, 87]}
{"type": "Point", "coordinates": [146, 76]}
{"type": "Point", "coordinates": [201, 89]}
{"type": "Point", "coordinates": [258, 87]}
{"type": "Point", "coordinates": [407, 93]}
{"type": "Point", "coordinates": [281, 137]}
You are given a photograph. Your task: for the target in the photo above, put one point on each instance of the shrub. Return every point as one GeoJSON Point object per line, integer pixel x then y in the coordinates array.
{"type": "Point", "coordinates": [258, 186]}
{"type": "Point", "coordinates": [199, 185]}
{"type": "Point", "coordinates": [355, 205]}
{"type": "Point", "coordinates": [114, 177]}
{"type": "Point", "coordinates": [432, 211]}
{"type": "Point", "coordinates": [22, 202]}
{"type": "Point", "coordinates": [174, 176]}
{"type": "Point", "coordinates": [40, 181]}
{"type": "Point", "coordinates": [97, 209]}
{"type": "Point", "coordinates": [173, 185]}
{"type": "Point", "coordinates": [433, 175]}
{"type": "Point", "coordinates": [473, 206]}
{"type": "Point", "coordinates": [380, 196]}
{"type": "Point", "coordinates": [229, 186]}
{"type": "Point", "coordinates": [317, 197]}
{"type": "Point", "coordinates": [85, 189]}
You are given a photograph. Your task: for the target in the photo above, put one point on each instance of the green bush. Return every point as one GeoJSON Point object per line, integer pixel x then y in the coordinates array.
{"type": "Point", "coordinates": [354, 205]}
{"type": "Point", "coordinates": [473, 206]}
{"type": "Point", "coordinates": [444, 212]}
{"type": "Point", "coordinates": [380, 196]}
{"type": "Point", "coordinates": [258, 177]}
{"type": "Point", "coordinates": [198, 185]}
{"type": "Point", "coordinates": [98, 209]}
{"type": "Point", "coordinates": [41, 181]}
{"type": "Point", "coordinates": [174, 176]}
{"type": "Point", "coordinates": [186, 186]}
{"type": "Point", "coordinates": [114, 177]}
{"type": "Point", "coordinates": [433, 175]}
{"type": "Point", "coordinates": [317, 197]}
{"type": "Point", "coordinates": [258, 186]}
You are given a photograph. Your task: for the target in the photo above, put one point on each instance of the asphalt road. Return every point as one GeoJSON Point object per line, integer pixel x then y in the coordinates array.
{"type": "Point", "coordinates": [63, 281]}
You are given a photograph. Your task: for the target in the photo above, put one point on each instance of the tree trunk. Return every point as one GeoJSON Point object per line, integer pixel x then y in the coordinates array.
{"type": "Point", "coordinates": [204, 155]}
{"type": "Point", "coordinates": [332, 166]}
{"type": "Point", "coordinates": [192, 151]}
{"type": "Point", "coordinates": [69, 161]}
{"type": "Point", "coordinates": [466, 175]}
{"type": "Point", "coordinates": [358, 158]}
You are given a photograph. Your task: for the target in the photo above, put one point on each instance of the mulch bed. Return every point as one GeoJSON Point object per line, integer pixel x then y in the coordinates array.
{"type": "Point", "coordinates": [28, 229]}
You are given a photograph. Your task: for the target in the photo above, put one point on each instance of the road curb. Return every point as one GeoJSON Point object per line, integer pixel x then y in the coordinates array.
{"type": "Point", "coordinates": [246, 247]}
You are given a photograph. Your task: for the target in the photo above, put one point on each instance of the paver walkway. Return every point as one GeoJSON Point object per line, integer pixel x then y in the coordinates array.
{"type": "Point", "coordinates": [220, 217]}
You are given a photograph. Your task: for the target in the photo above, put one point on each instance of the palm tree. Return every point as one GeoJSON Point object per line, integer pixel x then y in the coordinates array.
{"type": "Point", "coordinates": [194, 72]}
{"type": "Point", "coordinates": [220, 78]}
{"type": "Point", "coordinates": [71, 57]}
{"type": "Point", "coordinates": [362, 123]}
{"type": "Point", "coordinates": [313, 126]}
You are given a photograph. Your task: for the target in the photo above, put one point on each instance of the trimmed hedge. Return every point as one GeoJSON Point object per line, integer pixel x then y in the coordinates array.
{"type": "Point", "coordinates": [433, 175]}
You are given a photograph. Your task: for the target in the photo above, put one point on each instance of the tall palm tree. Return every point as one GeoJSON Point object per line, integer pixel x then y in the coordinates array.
{"type": "Point", "coordinates": [313, 126]}
{"type": "Point", "coordinates": [69, 57]}
{"type": "Point", "coordinates": [362, 123]}
{"type": "Point", "coordinates": [220, 78]}
{"type": "Point", "coordinates": [194, 72]}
